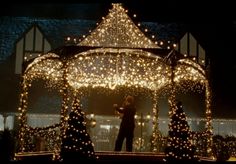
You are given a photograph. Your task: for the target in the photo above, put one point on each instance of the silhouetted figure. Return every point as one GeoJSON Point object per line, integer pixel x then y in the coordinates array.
{"type": "Point", "coordinates": [127, 125]}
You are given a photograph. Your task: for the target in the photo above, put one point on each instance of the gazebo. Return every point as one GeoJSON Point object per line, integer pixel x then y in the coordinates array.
{"type": "Point", "coordinates": [115, 55]}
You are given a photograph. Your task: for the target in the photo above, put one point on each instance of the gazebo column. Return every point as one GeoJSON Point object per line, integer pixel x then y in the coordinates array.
{"type": "Point", "coordinates": [172, 98]}
{"type": "Point", "coordinates": [156, 136]}
{"type": "Point", "coordinates": [65, 103]}
{"type": "Point", "coordinates": [209, 128]}
{"type": "Point", "coordinates": [22, 116]}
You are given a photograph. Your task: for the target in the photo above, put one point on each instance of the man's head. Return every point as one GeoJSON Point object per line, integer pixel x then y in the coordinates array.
{"type": "Point", "coordinates": [129, 99]}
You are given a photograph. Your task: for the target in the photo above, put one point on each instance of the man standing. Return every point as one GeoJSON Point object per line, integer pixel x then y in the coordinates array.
{"type": "Point", "coordinates": [127, 125]}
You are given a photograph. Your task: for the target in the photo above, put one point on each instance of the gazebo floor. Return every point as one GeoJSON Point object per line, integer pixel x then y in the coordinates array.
{"type": "Point", "coordinates": [102, 157]}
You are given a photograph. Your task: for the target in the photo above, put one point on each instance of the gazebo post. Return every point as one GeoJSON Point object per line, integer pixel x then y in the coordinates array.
{"type": "Point", "coordinates": [23, 117]}
{"type": "Point", "coordinates": [65, 100]}
{"type": "Point", "coordinates": [209, 128]}
{"type": "Point", "coordinates": [208, 102]}
{"type": "Point", "coordinates": [172, 97]}
{"type": "Point", "coordinates": [156, 136]}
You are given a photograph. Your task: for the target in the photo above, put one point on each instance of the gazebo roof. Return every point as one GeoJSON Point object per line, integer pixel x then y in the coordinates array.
{"type": "Point", "coordinates": [117, 30]}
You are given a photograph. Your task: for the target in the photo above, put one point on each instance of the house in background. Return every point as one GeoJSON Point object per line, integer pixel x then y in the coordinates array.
{"type": "Point", "coordinates": [32, 44]}
{"type": "Point", "coordinates": [190, 47]}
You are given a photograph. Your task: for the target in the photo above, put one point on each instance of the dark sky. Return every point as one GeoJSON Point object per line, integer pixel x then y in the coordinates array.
{"type": "Point", "coordinates": [214, 26]}
{"type": "Point", "coordinates": [168, 10]}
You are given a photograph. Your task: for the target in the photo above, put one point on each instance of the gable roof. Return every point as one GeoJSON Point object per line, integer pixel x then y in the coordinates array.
{"type": "Point", "coordinates": [118, 30]}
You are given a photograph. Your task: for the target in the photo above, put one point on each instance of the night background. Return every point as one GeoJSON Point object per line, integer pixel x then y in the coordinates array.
{"type": "Point", "coordinates": [213, 25]}
{"type": "Point", "coordinates": [185, 131]}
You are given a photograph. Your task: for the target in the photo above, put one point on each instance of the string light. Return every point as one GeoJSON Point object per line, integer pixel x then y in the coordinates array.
{"type": "Point", "coordinates": [120, 60]}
